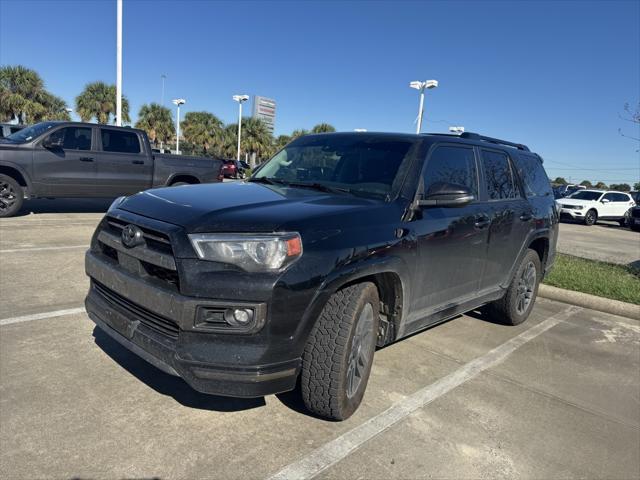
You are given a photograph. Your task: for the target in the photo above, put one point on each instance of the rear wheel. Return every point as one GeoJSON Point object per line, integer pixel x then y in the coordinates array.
{"type": "Point", "coordinates": [591, 217]}
{"type": "Point", "coordinates": [179, 184]}
{"type": "Point", "coordinates": [11, 196]}
{"type": "Point", "coordinates": [516, 305]}
{"type": "Point", "coordinates": [339, 353]}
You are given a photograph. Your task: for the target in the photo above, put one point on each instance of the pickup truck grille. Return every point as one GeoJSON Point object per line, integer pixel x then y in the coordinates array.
{"type": "Point", "coordinates": [137, 312]}
{"type": "Point", "coordinates": [152, 259]}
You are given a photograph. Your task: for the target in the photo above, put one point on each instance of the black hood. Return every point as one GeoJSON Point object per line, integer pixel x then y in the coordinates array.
{"type": "Point", "coordinates": [242, 206]}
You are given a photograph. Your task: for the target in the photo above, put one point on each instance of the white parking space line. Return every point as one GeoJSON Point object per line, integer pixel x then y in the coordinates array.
{"type": "Point", "coordinates": [41, 316]}
{"type": "Point", "coordinates": [42, 249]}
{"type": "Point", "coordinates": [332, 452]}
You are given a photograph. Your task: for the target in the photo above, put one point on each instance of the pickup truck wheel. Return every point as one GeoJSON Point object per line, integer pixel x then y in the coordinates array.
{"type": "Point", "coordinates": [591, 217]}
{"type": "Point", "coordinates": [11, 196]}
{"type": "Point", "coordinates": [516, 305]}
{"type": "Point", "coordinates": [179, 184]}
{"type": "Point", "coordinates": [339, 353]}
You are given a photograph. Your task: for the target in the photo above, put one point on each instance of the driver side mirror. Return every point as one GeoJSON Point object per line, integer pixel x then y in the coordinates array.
{"type": "Point", "coordinates": [52, 141]}
{"type": "Point", "coordinates": [442, 194]}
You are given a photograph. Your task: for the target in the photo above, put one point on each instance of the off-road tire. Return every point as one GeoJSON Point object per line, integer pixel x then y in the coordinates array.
{"type": "Point", "coordinates": [325, 360]}
{"type": "Point", "coordinates": [591, 217]}
{"type": "Point", "coordinates": [11, 196]}
{"type": "Point", "coordinates": [505, 310]}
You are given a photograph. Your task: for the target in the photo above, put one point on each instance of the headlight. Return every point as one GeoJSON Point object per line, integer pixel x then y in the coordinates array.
{"type": "Point", "coordinates": [253, 253]}
{"type": "Point", "coordinates": [578, 207]}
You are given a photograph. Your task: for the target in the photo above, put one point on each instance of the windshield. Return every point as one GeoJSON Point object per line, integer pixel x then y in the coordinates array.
{"type": "Point", "coordinates": [586, 195]}
{"type": "Point", "coordinates": [358, 164]}
{"type": "Point", "coordinates": [29, 133]}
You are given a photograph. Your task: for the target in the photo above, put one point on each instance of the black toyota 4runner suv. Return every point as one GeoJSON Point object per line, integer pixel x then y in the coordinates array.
{"type": "Point", "coordinates": [340, 243]}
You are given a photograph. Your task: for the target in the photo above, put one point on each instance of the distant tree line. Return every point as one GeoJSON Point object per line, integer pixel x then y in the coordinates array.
{"type": "Point", "coordinates": [23, 98]}
{"type": "Point", "coordinates": [621, 187]}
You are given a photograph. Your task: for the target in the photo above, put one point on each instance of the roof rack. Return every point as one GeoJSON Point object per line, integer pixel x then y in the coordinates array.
{"type": "Point", "coordinates": [497, 141]}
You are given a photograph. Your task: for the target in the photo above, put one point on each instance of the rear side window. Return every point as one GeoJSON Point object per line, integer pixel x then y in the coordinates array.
{"type": "Point", "coordinates": [616, 197]}
{"type": "Point", "coordinates": [534, 178]}
{"type": "Point", "coordinates": [499, 178]}
{"type": "Point", "coordinates": [451, 165]}
{"type": "Point", "coordinates": [119, 141]}
{"type": "Point", "coordinates": [74, 138]}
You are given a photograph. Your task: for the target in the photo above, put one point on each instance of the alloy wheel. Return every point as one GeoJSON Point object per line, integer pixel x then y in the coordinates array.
{"type": "Point", "coordinates": [7, 196]}
{"type": "Point", "coordinates": [359, 356]}
{"type": "Point", "coordinates": [526, 287]}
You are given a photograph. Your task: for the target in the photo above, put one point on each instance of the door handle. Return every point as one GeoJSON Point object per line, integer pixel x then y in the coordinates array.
{"type": "Point", "coordinates": [525, 217]}
{"type": "Point", "coordinates": [86, 159]}
{"type": "Point", "coordinates": [138, 162]}
{"type": "Point", "coordinates": [482, 221]}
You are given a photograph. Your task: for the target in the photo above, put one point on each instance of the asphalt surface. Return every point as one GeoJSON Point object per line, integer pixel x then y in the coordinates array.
{"type": "Point", "coordinates": [557, 397]}
{"type": "Point", "coordinates": [604, 241]}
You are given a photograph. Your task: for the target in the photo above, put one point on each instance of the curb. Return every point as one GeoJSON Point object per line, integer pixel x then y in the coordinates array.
{"type": "Point", "coordinates": [592, 302]}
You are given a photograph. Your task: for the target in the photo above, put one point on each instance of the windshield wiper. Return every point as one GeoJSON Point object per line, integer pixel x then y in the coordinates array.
{"type": "Point", "coordinates": [267, 180]}
{"type": "Point", "coordinates": [319, 186]}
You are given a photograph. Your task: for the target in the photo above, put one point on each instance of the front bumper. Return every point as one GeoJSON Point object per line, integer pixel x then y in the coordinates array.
{"type": "Point", "coordinates": [572, 214]}
{"type": "Point", "coordinates": [157, 325]}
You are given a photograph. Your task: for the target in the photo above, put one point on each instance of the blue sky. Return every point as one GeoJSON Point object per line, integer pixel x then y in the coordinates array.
{"type": "Point", "coordinates": [553, 75]}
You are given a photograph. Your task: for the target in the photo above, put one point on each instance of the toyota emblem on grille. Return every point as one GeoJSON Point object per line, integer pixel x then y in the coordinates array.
{"type": "Point", "coordinates": [132, 236]}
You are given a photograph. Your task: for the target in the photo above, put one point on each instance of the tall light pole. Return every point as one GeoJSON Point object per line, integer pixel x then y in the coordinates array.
{"type": "Point", "coordinates": [162, 77]}
{"type": "Point", "coordinates": [240, 99]}
{"type": "Point", "coordinates": [177, 102]}
{"type": "Point", "coordinates": [119, 64]}
{"type": "Point", "coordinates": [418, 85]}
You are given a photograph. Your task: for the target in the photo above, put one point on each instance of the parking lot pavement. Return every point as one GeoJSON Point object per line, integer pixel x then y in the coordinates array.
{"type": "Point", "coordinates": [555, 397]}
{"type": "Point", "coordinates": [605, 241]}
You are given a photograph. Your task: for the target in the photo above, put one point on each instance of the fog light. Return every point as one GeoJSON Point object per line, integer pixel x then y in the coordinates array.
{"type": "Point", "coordinates": [238, 317]}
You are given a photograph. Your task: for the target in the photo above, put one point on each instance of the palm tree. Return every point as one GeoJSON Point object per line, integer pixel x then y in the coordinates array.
{"type": "Point", "coordinates": [98, 100]}
{"type": "Point", "coordinates": [299, 133]}
{"type": "Point", "coordinates": [157, 122]}
{"type": "Point", "coordinates": [23, 97]}
{"type": "Point", "coordinates": [256, 139]}
{"type": "Point", "coordinates": [203, 130]}
{"type": "Point", "coordinates": [323, 128]}
{"type": "Point", "coordinates": [281, 141]}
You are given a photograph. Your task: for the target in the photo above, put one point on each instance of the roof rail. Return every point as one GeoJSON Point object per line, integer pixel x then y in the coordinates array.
{"type": "Point", "coordinates": [497, 141]}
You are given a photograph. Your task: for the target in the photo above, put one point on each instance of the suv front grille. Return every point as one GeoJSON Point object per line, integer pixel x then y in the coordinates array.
{"type": "Point", "coordinates": [148, 318]}
{"type": "Point", "coordinates": [154, 258]}
{"type": "Point", "coordinates": [156, 240]}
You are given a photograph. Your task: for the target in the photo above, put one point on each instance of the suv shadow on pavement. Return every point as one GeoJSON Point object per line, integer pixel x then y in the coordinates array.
{"type": "Point", "coordinates": [65, 205]}
{"type": "Point", "coordinates": [168, 385]}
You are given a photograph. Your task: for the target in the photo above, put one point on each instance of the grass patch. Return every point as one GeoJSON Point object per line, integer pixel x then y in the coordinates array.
{"type": "Point", "coordinates": [617, 282]}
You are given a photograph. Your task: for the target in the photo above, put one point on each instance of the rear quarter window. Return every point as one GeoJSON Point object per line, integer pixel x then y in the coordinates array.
{"type": "Point", "coordinates": [535, 179]}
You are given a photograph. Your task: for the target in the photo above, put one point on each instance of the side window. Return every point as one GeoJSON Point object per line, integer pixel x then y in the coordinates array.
{"type": "Point", "coordinates": [119, 141]}
{"type": "Point", "coordinates": [619, 197]}
{"type": "Point", "coordinates": [451, 165]}
{"type": "Point", "coordinates": [534, 178]}
{"type": "Point", "coordinates": [609, 196]}
{"type": "Point", "coordinates": [499, 178]}
{"type": "Point", "coordinates": [74, 138]}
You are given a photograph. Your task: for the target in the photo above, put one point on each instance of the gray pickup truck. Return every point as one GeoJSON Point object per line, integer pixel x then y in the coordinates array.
{"type": "Point", "coordinates": [71, 159]}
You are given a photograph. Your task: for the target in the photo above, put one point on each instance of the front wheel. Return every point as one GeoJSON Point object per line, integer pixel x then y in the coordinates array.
{"type": "Point", "coordinates": [11, 196]}
{"type": "Point", "coordinates": [516, 305]}
{"type": "Point", "coordinates": [590, 218]}
{"type": "Point", "coordinates": [339, 353]}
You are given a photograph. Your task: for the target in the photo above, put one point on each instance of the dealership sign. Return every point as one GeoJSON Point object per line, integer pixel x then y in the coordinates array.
{"type": "Point", "coordinates": [265, 109]}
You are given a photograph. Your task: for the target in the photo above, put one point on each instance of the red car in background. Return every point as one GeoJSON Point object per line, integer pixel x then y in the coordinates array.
{"type": "Point", "coordinates": [233, 169]}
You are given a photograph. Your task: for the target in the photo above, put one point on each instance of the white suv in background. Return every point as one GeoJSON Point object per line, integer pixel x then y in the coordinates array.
{"type": "Point", "coordinates": [589, 206]}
